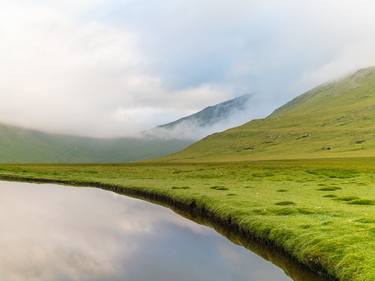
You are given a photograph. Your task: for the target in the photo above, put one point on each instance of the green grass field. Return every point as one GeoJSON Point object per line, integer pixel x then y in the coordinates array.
{"type": "Point", "coordinates": [322, 212]}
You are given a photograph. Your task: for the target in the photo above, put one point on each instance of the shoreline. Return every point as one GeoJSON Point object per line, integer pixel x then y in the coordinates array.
{"type": "Point", "coordinates": [195, 211]}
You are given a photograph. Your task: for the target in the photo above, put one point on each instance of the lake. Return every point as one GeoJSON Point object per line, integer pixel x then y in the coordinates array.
{"type": "Point", "coordinates": [58, 233]}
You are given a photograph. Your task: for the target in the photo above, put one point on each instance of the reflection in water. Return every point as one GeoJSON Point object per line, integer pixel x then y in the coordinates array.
{"type": "Point", "coordinates": [53, 233]}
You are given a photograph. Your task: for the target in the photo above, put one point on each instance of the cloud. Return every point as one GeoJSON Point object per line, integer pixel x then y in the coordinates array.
{"type": "Point", "coordinates": [61, 74]}
{"type": "Point", "coordinates": [114, 68]}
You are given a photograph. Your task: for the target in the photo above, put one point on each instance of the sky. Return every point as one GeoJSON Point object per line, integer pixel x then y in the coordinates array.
{"type": "Point", "coordinates": [109, 68]}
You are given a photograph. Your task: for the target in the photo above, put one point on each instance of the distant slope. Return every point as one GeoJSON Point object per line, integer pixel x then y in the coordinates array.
{"type": "Point", "coordinates": [211, 119]}
{"type": "Point", "coordinates": [334, 119]}
{"type": "Point", "coordinates": [19, 145]}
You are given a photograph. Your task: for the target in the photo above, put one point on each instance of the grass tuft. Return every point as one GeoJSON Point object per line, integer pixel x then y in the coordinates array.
{"type": "Point", "coordinates": [366, 220]}
{"type": "Point", "coordinates": [330, 196]}
{"type": "Point", "coordinates": [305, 226]}
{"type": "Point", "coordinates": [330, 188]}
{"type": "Point", "coordinates": [347, 198]}
{"type": "Point", "coordinates": [285, 211]}
{"type": "Point", "coordinates": [181, 187]}
{"type": "Point", "coordinates": [218, 188]}
{"type": "Point", "coordinates": [285, 203]}
{"type": "Point", "coordinates": [365, 202]}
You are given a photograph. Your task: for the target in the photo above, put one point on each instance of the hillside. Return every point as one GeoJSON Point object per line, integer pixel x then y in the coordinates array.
{"type": "Point", "coordinates": [19, 145]}
{"type": "Point", "coordinates": [333, 120]}
{"type": "Point", "coordinates": [207, 121]}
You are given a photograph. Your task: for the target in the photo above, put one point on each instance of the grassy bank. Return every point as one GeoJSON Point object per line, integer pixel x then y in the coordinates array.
{"type": "Point", "coordinates": [322, 212]}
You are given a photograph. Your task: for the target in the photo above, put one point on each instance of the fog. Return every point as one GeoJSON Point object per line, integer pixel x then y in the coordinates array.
{"type": "Point", "coordinates": [210, 120]}
{"type": "Point", "coordinates": [116, 68]}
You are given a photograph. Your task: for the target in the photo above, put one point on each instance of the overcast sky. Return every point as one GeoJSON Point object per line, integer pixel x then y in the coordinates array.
{"type": "Point", "coordinates": [114, 67]}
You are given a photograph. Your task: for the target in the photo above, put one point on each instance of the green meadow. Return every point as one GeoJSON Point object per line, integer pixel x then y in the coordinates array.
{"type": "Point", "coordinates": [322, 211]}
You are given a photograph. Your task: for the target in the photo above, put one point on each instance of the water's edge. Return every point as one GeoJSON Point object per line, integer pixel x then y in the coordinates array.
{"type": "Point", "coordinates": [261, 246]}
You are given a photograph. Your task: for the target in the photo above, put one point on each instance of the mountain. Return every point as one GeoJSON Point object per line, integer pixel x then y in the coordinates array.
{"type": "Point", "coordinates": [18, 145]}
{"type": "Point", "coordinates": [207, 121]}
{"type": "Point", "coordinates": [336, 119]}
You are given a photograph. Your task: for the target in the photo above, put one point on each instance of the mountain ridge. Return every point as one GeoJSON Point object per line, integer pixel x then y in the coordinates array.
{"type": "Point", "coordinates": [23, 145]}
{"type": "Point", "coordinates": [208, 120]}
{"type": "Point", "coordinates": [332, 120]}
{"type": "Point", "coordinates": [238, 103]}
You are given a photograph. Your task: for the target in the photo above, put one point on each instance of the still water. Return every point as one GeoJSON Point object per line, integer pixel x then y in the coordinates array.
{"type": "Point", "coordinates": [54, 233]}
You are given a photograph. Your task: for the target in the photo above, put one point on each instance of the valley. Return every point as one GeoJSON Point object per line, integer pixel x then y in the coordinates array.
{"type": "Point", "coordinates": [318, 211]}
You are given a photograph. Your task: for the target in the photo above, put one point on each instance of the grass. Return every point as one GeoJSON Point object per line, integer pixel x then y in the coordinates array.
{"type": "Point", "coordinates": [284, 203]}
{"type": "Point", "coordinates": [320, 211]}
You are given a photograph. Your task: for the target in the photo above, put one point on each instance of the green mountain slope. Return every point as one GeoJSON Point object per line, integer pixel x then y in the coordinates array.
{"type": "Point", "coordinates": [335, 119]}
{"type": "Point", "coordinates": [19, 145]}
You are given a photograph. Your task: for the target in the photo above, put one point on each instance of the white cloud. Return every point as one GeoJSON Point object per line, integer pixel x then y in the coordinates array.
{"type": "Point", "coordinates": [110, 68]}
{"type": "Point", "coordinates": [61, 74]}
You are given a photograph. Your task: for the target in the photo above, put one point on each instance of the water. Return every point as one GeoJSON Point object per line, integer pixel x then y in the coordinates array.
{"type": "Point", "coordinates": [54, 233]}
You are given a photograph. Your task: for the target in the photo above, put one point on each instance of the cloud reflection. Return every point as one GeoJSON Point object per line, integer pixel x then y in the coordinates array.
{"type": "Point", "coordinates": [51, 233]}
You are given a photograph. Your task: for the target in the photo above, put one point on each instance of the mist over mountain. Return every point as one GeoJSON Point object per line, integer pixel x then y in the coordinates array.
{"type": "Point", "coordinates": [22, 145]}
{"type": "Point", "coordinates": [207, 121]}
{"type": "Point", "coordinates": [335, 119]}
